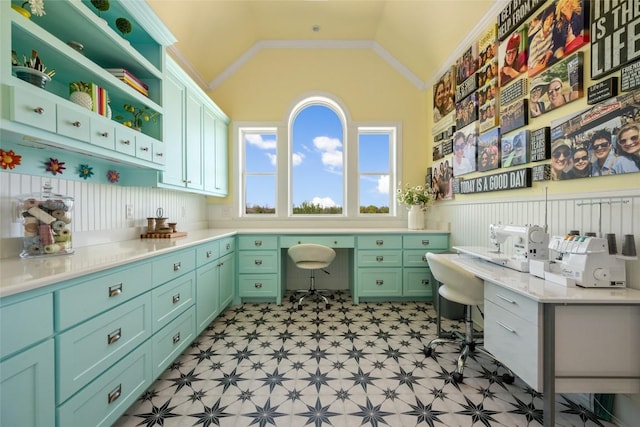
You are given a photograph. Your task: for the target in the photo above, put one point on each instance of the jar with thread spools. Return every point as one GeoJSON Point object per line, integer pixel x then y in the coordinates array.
{"type": "Point", "coordinates": [47, 223]}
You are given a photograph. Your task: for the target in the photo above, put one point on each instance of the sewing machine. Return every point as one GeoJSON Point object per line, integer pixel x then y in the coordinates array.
{"type": "Point", "coordinates": [586, 261]}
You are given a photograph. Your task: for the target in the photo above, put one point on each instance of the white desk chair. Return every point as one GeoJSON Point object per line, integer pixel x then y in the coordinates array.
{"type": "Point", "coordinates": [458, 285]}
{"type": "Point", "coordinates": [310, 256]}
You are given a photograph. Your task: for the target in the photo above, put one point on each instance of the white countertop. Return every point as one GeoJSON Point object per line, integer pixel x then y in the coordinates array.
{"type": "Point", "coordinates": [20, 275]}
{"type": "Point", "coordinates": [542, 290]}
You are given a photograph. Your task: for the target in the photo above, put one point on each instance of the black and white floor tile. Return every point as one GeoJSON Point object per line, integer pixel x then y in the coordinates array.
{"type": "Point", "coordinates": [351, 365]}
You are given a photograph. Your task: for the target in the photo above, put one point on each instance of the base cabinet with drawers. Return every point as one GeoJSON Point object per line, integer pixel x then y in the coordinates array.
{"type": "Point", "coordinates": [80, 352]}
{"type": "Point", "coordinates": [259, 267]}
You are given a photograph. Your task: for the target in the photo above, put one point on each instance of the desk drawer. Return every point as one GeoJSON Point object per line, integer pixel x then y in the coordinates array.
{"type": "Point", "coordinates": [380, 258]}
{"type": "Point", "coordinates": [416, 282]}
{"type": "Point", "coordinates": [25, 323]}
{"type": "Point", "coordinates": [227, 245]}
{"type": "Point", "coordinates": [515, 342]}
{"type": "Point", "coordinates": [208, 252]}
{"type": "Point", "coordinates": [171, 299]}
{"type": "Point", "coordinates": [258, 285]}
{"type": "Point", "coordinates": [380, 282]}
{"type": "Point", "coordinates": [258, 262]}
{"type": "Point", "coordinates": [426, 241]}
{"type": "Point", "coordinates": [103, 401]}
{"type": "Point", "coordinates": [169, 342]}
{"type": "Point", "coordinates": [414, 258]}
{"type": "Point", "coordinates": [28, 107]}
{"type": "Point", "coordinates": [331, 241]}
{"type": "Point", "coordinates": [257, 242]}
{"type": "Point", "coordinates": [511, 301]}
{"type": "Point", "coordinates": [174, 265]}
{"type": "Point", "coordinates": [85, 351]}
{"type": "Point", "coordinates": [86, 299]}
{"type": "Point", "coordinates": [386, 241]}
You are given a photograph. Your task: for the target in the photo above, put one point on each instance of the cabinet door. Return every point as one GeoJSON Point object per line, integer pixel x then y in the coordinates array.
{"type": "Point", "coordinates": [227, 280]}
{"type": "Point", "coordinates": [27, 388]}
{"type": "Point", "coordinates": [214, 137]}
{"type": "Point", "coordinates": [193, 144]}
{"type": "Point", "coordinates": [173, 119]}
{"type": "Point", "coordinates": [207, 295]}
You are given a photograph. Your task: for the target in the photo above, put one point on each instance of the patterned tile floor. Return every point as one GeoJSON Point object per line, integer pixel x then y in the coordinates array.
{"type": "Point", "coordinates": [351, 365]}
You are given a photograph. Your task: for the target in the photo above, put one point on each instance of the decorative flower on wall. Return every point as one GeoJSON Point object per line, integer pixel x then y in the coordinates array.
{"type": "Point", "coordinates": [113, 176]}
{"type": "Point", "coordinates": [9, 159]}
{"type": "Point", "coordinates": [54, 166]}
{"type": "Point", "coordinates": [85, 171]}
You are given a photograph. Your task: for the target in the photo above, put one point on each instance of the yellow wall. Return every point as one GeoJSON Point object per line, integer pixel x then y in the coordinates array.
{"type": "Point", "coordinates": [265, 87]}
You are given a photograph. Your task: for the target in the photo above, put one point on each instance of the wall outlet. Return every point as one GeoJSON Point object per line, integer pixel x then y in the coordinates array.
{"type": "Point", "coordinates": [129, 211]}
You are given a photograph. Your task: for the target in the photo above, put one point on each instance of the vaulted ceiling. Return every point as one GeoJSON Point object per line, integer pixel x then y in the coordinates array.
{"type": "Point", "coordinates": [416, 36]}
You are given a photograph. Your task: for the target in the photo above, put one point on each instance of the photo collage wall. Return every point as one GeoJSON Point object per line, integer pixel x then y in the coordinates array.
{"type": "Point", "coordinates": [528, 63]}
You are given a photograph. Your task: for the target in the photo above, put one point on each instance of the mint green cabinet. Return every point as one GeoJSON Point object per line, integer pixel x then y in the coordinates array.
{"type": "Point", "coordinates": [259, 267]}
{"type": "Point", "coordinates": [214, 141]}
{"type": "Point", "coordinates": [172, 340]}
{"type": "Point", "coordinates": [174, 100]}
{"type": "Point", "coordinates": [227, 265]}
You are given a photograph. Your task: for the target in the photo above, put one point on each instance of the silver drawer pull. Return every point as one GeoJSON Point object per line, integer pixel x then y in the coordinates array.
{"type": "Point", "coordinates": [506, 327]}
{"type": "Point", "coordinates": [176, 298]}
{"type": "Point", "coordinates": [209, 254]}
{"type": "Point", "coordinates": [228, 246]}
{"type": "Point", "coordinates": [425, 242]}
{"type": "Point", "coordinates": [144, 148]}
{"type": "Point", "coordinates": [258, 262]}
{"type": "Point", "coordinates": [379, 258]}
{"type": "Point", "coordinates": [510, 301]}
{"type": "Point", "coordinates": [257, 285]}
{"type": "Point", "coordinates": [76, 124]}
{"type": "Point", "coordinates": [379, 282]}
{"type": "Point", "coordinates": [425, 281]}
{"type": "Point", "coordinates": [176, 338]}
{"type": "Point", "coordinates": [38, 110]}
{"type": "Point", "coordinates": [177, 266]}
{"type": "Point", "coordinates": [126, 142]}
{"type": "Point", "coordinates": [114, 394]}
{"type": "Point", "coordinates": [160, 154]}
{"type": "Point", "coordinates": [258, 243]}
{"type": "Point", "coordinates": [115, 290]}
{"type": "Point", "coordinates": [104, 134]}
{"type": "Point", "coordinates": [114, 336]}
{"type": "Point", "coordinates": [379, 242]}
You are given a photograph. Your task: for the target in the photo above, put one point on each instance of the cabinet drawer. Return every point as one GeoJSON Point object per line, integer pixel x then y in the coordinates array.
{"type": "Point", "coordinates": [30, 108]}
{"type": "Point", "coordinates": [144, 147]}
{"type": "Point", "coordinates": [25, 323]}
{"type": "Point", "coordinates": [171, 299]}
{"type": "Point", "coordinates": [380, 242]}
{"type": "Point", "coordinates": [169, 342]}
{"type": "Point", "coordinates": [380, 282]}
{"type": "Point", "coordinates": [258, 285]}
{"type": "Point", "coordinates": [416, 282]}
{"type": "Point", "coordinates": [511, 301]}
{"type": "Point", "coordinates": [125, 141]}
{"type": "Point", "coordinates": [73, 123]}
{"type": "Point", "coordinates": [258, 262]}
{"type": "Point", "coordinates": [208, 252]}
{"type": "Point", "coordinates": [86, 299]}
{"type": "Point", "coordinates": [85, 351]}
{"type": "Point", "coordinates": [515, 342]}
{"type": "Point", "coordinates": [174, 265]}
{"type": "Point", "coordinates": [159, 153]}
{"type": "Point", "coordinates": [257, 242]}
{"type": "Point", "coordinates": [414, 258]}
{"type": "Point", "coordinates": [426, 241]}
{"type": "Point", "coordinates": [331, 241]}
{"type": "Point", "coordinates": [103, 133]}
{"type": "Point", "coordinates": [227, 245]}
{"type": "Point", "coordinates": [380, 258]}
{"type": "Point", "coordinates": [103, 401]}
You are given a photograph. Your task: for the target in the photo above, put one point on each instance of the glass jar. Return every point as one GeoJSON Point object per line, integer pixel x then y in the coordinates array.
{"type": "Point", "coordinates": [46, 219]}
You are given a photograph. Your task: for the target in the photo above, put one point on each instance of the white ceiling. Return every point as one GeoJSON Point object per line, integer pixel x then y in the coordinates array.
{"type": "Point", "coordinates": [418, 37]}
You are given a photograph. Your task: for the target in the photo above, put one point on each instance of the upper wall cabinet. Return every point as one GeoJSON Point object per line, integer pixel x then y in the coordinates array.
{"type": "Point", "coordinates": [84, 45]}
{"type": "Point", "coordinates": [195, 137]}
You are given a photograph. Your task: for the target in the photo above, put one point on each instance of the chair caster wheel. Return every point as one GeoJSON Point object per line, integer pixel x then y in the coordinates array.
{"type": "Point", "coordinates": [332, 296]}
{"type": "Point", "coordinates": [428, 351]}
{"type": "Point", "coordinates": [457, 377]}
{"type": "Point", "coordinates": [292, 299]}
{"type": "Point", "coordinates": [328, 306]}
{"type": "Point", "coordinates": [299, 306]}
{"type": "Point", "coordinates": [508, 379]}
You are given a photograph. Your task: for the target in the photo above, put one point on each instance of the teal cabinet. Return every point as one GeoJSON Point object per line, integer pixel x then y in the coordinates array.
{"type": "Point", "coordinates": [215, 281]}
{"type": "Point", "coordinates": [214, 144]}
{"type": "Point", "coordinates": [172, 340]}
{"type": "Point", "coordinates": [227, 265]}
{"type": "Point", "coordinates": [259, 267]}
{"type": "Point", "coordinates": [174, 100]}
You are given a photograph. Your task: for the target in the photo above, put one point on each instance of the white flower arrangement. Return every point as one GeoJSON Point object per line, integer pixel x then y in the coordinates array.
{"type": "Point", "coordinates": [411, 196]}
{"type": "Point", "coordinates": [37, 7]}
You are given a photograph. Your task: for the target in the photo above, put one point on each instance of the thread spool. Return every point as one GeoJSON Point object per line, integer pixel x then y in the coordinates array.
{"type": "Point", "coordinates": [30, 203]}
{"type": "Point", "coordinates": [58, 226]}
{"type": "Point", "coordinates": [61, 215]}
{"type": "Point", "coordinates": [611, 240]}
{"type": "Point", "coordinates": [30, 226]}
{"type": "Point", "coordinates": [46, 236]}
{"type": "Point", "coordinates": [629, 245]}
{"type": "Point", "coordinates": [35, 249]}
{"type": "Point", "coordinates": [65, 232]}
{"type": "Point", "coordinates": [41, 215]}
{"type": "Point", "coordinates": [54, 205]}
{"type": "Point", "coordinates": [61, 238]}
{"type": "Point", "coordinates": [51, 249]}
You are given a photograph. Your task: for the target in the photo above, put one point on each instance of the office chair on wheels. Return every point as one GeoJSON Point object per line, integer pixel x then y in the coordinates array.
{"type": "Point", "coordinates": [310, 256]}
{"type": "Point", "coordinates": [458, 285]}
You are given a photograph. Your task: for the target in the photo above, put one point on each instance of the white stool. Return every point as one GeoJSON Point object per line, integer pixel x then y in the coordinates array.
{"type": "Point", "coordinates": [310, 256]}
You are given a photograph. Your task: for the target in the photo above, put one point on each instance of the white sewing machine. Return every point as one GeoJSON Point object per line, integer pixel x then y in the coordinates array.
{"type": "Point", "coordinates": [527, 242]}
{"type": "Point", "coordinates": [587, 262]}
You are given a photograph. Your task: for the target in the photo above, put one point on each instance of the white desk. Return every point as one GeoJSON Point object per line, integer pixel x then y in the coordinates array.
{"type": "Point", "coordinates": [560, 339]}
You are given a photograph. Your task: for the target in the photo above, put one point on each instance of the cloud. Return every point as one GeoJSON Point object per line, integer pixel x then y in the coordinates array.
{"type": "Point", "coordinates": [297, 158]}
{"type": "Point", "coordinates": [256, 139]}
{"type": "Point", "coordinates": [272, 158]}
{"type": "Point", "coordinates": [383, 184]}
{"type": "Point", "coordinates": [325, 202]}
{"type": "Point", "coordinates": [330, 149]}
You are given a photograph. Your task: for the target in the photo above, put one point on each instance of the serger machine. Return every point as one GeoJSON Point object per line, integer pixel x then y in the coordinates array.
{"type": "Point", "coordinates": [586, 261]}
{"type": "Point", "coordinates": [513, 246]}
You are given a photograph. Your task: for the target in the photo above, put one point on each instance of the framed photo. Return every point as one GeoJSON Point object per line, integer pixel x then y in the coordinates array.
{"type": "Point", "coordinates": [444, 92]}
{"type": "Point", "coordinates": [464, 150]}
{"type": "Point", "coordinates": [512, 56]}
{"type": "Point", "coordinates": [558, 86]}
{"type": "Point", "coordinates": [489, 150]}
{"type": "Point", "coordinates": [488, 116]}
{"type": "Point", "coordinates": [515, 149]}
{"type": "Point", "coordinates": [467, 64]}
{"type": "Point", "coordinates": [442, 179]}
{"type": "Point", "coordinates": [488, 47]}
{"type": "Point", "coordinates": [467, 111]}
{"type": "Point", "coordinates": [514, 115]}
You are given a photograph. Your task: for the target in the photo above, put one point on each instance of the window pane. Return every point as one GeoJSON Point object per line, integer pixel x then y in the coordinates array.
{"type": "Point", "coordinates": [260, 194]}
{"type": "Point", "coordinates": [373, 152]}
{"type": "Point", "coordinates": [374, 194]}
{"type": "Point", "coordinates": [317, 161]}
{"type": "Point", "coordinates": [260, 152]}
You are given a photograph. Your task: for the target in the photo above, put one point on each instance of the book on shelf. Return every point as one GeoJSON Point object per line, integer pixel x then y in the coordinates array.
{"type": "Point", "coordinates": [121, 72]}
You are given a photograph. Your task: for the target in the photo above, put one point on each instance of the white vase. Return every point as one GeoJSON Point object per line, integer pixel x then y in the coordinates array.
{"type": "Point", "coordinates": [82, 98]}
{"type": "Point", "coordinates": [416, 218]}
